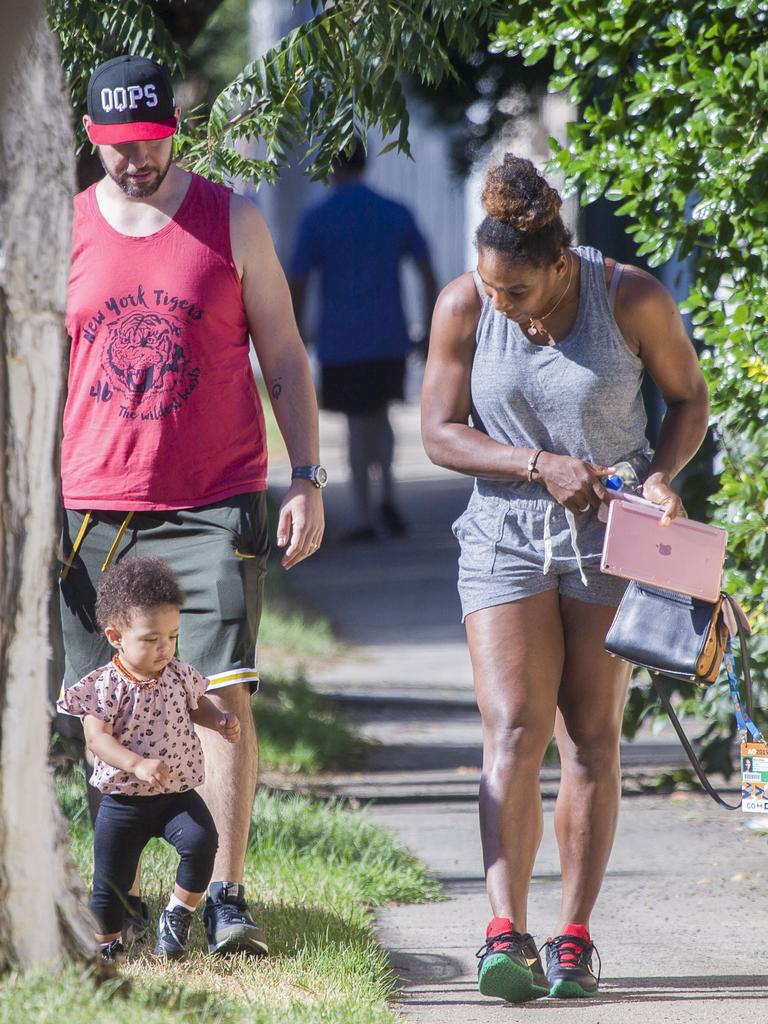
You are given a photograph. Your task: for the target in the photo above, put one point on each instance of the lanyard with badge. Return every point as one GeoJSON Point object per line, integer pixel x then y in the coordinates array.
{"type": "Point", "coordinates": [754, 749]}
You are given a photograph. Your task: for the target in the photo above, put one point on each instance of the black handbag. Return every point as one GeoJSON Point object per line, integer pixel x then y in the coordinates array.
{"type": "Point", "coordinates": [682, 637]}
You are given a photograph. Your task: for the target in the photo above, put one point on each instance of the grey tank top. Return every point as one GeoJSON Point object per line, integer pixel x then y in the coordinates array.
{"type": "Point", "coordinates": [580, 397]}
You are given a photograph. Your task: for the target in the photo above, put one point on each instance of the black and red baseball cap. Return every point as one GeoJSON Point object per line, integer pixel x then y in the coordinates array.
{"type": "Point", "coordinates": [130, 99]}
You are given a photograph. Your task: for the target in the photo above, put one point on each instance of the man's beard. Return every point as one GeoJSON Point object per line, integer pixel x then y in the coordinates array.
{"type": "Point", "coordinates": [138, 189]}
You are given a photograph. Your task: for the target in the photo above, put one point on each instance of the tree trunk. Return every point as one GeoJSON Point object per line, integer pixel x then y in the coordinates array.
{"type": "Point", "coordinates": [43, 919]}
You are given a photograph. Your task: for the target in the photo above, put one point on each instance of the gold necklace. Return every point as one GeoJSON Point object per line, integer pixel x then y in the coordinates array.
{"type": "Point", "coordinates": [144, 684]}
{"type": "Point", "coordinates": [536, 325]}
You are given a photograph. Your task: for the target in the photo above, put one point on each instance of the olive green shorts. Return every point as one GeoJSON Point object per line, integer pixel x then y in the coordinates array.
{"type": "Point", "coordinates": [219, 553]}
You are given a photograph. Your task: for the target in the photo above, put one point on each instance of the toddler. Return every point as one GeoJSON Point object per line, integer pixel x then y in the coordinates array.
{"type": "Point", "coordinates": [139, 714]}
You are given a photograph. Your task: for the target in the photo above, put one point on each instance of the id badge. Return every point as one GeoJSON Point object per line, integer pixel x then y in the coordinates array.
{"type": "Point", "coordinates": [754, 777]}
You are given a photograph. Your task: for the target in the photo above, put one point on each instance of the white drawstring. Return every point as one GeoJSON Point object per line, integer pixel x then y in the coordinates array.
{"type": "Point", "coordinates": [575, 544]}
{"type": "Point", "coordinates": [548, 538]}
{"type": "Point", "coordinates": [574, 541]}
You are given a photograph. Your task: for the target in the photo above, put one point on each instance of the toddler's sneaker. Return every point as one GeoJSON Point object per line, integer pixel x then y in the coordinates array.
{"type": "Point", "coordinates": [113, 952]}
{"type": "Point", "coordinates": [229, 927]}
{"type": "Point", "coordinates": [137, 920]}
{"type": "Point", "coordinates": [569, 964]}
{"type": "Point", "coordinates": [173, 932]}
{"type": "Point", "coordinates": [510, 967]}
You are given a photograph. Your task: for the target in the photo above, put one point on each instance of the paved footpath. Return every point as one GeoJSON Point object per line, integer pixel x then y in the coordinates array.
{"type": "Point", "coordinates": [682, 922]}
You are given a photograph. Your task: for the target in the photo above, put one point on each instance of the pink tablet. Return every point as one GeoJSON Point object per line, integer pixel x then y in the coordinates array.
{"type": "Point", "coordinates": [685, 556]}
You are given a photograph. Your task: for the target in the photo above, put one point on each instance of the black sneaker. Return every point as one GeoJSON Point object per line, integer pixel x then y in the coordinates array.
{"type": "Point", "coordinates": [569, 966]}
{"type": "Point", "coordinates": [173, 932]}
{"type": "Point", "coordinates": [510, 968]}
{"type": "Point", "coordinates": [394, 523]}
{"type": "Point", "coordinates": [137, 920]}
{"type": "Point", "coordinates": [228, 925]}
{"type": "Point", "coordinates": [113, 952]}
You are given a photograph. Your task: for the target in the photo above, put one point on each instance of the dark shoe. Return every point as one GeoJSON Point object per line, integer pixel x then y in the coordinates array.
{"type": "Point", "coordinates": [114, 952]}
{"type": "Point", "coordinates": [569, 964]}
{"type": "Point", "coordinates": [173, 932]}
{"type": "Point", "coordinates": [394, 523]}
{"type": "Point", "coordinates": [510, 966]}
{"type": "Point", "coordinates": [360, 535]}
{"type": "Point", "coordinates": [228, 925]}
{"type": "Point", "coordinates": [137, 920]}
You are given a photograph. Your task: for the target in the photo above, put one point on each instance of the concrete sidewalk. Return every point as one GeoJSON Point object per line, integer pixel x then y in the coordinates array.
{"type": "Point", "coordinates": [682, 920]}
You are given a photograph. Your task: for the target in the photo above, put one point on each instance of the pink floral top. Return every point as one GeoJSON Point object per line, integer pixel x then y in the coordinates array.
{"type": "Point", "coordinates": [153, 722]}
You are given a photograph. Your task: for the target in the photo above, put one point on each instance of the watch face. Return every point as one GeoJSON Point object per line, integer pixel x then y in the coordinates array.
{"type": "Point", "coordinates": [321, 476]}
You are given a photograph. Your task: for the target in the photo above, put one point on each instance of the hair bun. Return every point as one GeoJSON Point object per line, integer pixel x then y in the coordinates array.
{"type": "Point", "coordinates": [515, 193]}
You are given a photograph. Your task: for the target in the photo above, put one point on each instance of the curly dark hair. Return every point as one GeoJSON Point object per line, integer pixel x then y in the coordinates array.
{"type": "Point", "coordinates": [523, 223]}
{"type": "Point", "coordinates": [133, 584]}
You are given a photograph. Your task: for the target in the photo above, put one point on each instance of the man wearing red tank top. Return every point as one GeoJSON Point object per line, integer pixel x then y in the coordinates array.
{"type": "Point", "coordinates": [164, 448]}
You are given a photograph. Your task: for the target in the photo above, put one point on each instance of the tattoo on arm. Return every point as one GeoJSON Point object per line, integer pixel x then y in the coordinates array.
{"type": "Point", "coordinates": [276, 388]}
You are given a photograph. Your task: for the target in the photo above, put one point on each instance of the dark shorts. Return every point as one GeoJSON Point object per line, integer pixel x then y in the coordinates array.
{"type": "Point", "coordinates": [362, 387]}
{"type": "Point", "coordinates": [219, 552]}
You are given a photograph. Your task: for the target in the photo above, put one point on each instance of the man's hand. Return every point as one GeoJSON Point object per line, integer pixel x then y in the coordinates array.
{"type": "Point", "coordinates": [154, 771]}
{"type": "Point", "coordinates": [228, 726]}
{"type": "Point", "coordinates": [301, 523]}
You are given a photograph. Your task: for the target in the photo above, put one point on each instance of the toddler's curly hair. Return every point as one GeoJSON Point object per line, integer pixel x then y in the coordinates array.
{"type": "Point", "coordinates": [136, 584]}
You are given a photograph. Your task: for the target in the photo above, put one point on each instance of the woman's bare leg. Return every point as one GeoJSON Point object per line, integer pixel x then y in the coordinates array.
{"type": "Point", "coordinates": [517, 660]}
{"type": "Point", "coordinates": [588, 731]}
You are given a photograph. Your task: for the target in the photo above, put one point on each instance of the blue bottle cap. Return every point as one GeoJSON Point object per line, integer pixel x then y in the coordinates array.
{"type": "Point", "coordinates": [614, 483]}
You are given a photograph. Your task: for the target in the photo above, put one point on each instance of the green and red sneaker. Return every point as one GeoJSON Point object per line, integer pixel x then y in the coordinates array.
{"type": "Point", "coordinates": [510, 967]}
{"type": "Point", "coordinates": [569, 964]}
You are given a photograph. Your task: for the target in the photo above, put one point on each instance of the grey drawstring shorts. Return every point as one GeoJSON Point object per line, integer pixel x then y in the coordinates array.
{"type": "Point", "coordinates": [511, 549]}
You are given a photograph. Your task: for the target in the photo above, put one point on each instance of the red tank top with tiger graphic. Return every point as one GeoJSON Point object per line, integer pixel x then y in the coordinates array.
{"type": "Point", "coordinates": [162, 408]}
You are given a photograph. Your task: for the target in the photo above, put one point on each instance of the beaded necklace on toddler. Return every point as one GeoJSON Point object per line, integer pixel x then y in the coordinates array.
{"type": "Point", "coordinates": [144, 684]}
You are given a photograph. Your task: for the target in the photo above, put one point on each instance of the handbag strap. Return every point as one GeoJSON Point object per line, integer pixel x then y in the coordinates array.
{"type": "Point", "coordinates": [743, 711]}
{"type": "Point", "coordinates": [700, 773]}
{"type": "Point", "coordinates": [743, 714]}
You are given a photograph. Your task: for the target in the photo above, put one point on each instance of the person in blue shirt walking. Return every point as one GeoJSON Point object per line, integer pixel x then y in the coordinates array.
{"type": "Point", "coordinates": [355, 240]}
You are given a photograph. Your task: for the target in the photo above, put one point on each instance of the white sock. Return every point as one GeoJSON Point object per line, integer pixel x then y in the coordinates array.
{"type": "Point", "coordinates": [174, 902]}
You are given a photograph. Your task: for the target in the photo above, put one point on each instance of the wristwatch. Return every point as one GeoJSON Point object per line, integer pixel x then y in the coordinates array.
{"type": "Point", "coordinates": [317, 474]}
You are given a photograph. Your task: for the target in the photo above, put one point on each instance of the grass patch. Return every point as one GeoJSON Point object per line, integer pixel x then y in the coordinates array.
{"type": "Point", "coordinates": [313, 872]}
{"type": "Point", "coordinates": [68, 998]}
{"type": "Point", "coordinates": [298, 729]}
{"type": "Point", "coordinates": [286, 627]}
{"type": "Point", "coordinates": [290, 635]}
{"type": "Point", "coordinates": [301, 731]}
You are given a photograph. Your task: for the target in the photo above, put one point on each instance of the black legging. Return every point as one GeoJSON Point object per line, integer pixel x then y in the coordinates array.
{"type": "Point", "coordinates": [124, 826]}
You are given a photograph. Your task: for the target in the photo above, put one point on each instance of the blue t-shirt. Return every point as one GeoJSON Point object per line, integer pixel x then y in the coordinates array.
{"type": "Point", "coordinates": [356, 239]}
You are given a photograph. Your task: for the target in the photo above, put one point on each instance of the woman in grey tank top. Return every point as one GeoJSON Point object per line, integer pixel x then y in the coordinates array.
{"type": "Point", "coordinates": [533, 387]}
